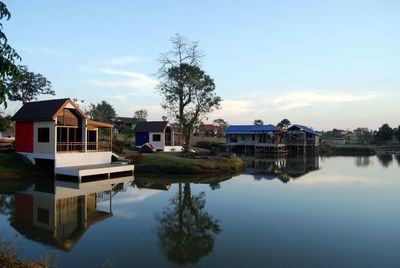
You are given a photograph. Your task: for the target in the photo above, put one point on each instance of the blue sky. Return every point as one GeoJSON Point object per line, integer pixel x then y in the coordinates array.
{"type": "Point", "coordinates": [325, 64]}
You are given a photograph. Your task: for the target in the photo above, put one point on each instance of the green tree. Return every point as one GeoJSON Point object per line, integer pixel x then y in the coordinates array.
{"type": "Point", "coordinates": [5, 122]}
{"type": "Point", "coordinates": [285, 123]}
{"type": "Point", "coordinates": [29, 86]}
{"type": "Point", "coordinates": [140, 115]}
{"type": "Point", "coordinates": [384, 134]}
{"type": "Point", "coordinates": [397, 133]}
{"type": "Point", "coordinates": [183, 52]}
{"type": "Point", "coordinates": [258, 122]}
{"type": "Point", "coordinates": [223, 125]}
{"type": "Point", "coordinates": [8, 57]}
{"type": "Point", "coordinates": [102, 112]}
{"type": "Point", "coordinates": [364, 135]}
{"type": "Point", "coordinates": [189, 94]}
{"type": "Point", "coordinates": [186, 232]}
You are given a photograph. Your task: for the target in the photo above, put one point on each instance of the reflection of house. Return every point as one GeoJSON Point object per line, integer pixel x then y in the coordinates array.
{"type": "Point", "coordinates": [302, 137]}
{"type": "Point", "coordinates": [158, 133]}
{"type": "Point", "coordinates": [283, 168]}
{"type": "Point", "coordinates": [209, 130]}
{"type": "Point", "coordinates": [255, 138]}
{"type": "Point", "coordinates": [59, 215]}
{"type": "Point", "coordinates": [57, 131]}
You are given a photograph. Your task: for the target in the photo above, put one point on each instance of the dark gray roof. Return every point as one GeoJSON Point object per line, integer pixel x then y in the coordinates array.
{"type": "Point", "coordinates": [304, 128]}
{"type": "Point", "coordinates": [151, 126]}
{"type": "Point", "coordinates": [39, 110]}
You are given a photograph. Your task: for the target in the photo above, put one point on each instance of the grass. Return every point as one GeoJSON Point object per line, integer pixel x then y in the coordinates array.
{"type": "Point", "coordinates": [176, 163]}
{"type": "Point", "coordinates": [14, 164]}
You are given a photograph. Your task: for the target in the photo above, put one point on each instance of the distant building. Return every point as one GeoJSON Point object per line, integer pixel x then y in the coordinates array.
{"type": "Point", "coordinates": [209, 130]}
{"type": "Point", "coordinates": [338, 141]}
{"type": "Point", "coordinates": [160, 134]}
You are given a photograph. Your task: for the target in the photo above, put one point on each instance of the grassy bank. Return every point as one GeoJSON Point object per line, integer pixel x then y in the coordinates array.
{"type": "Point", "coordinates": [176, 163]}
{"type": "Point", "coordinates": [14, 165]}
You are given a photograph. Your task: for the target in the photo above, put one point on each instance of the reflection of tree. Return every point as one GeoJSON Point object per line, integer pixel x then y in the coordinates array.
{"type": "Point", "coordinates": [186, 232]}
{"type": "Point", "coordinates": [215, 185]}
{"type": "Point", "coordinates": [385, 159]}
{"type": "Point", "coordinates": [362, 161]}
{"type": "Point", "coordinates": [397, 156]}
{"type": "Point", "coordinates": [7, 206]}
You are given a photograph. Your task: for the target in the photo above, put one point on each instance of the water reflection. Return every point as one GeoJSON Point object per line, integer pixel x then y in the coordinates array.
{"type": "Point", "coordinates": [283, 168]}
{"type": "Point", "coordinates": [59, 213]}
{"type": "Point", "coordinates": [397, 156]}
{"type": "Point", "coordinates": [187, 232]}
{"type": "Point", "coordinates": [385, 159]}
{"type": "Point", "coordinates": [363, 161]}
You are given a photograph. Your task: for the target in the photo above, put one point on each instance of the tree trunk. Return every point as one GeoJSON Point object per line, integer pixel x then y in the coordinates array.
{"type": "Point", "coordinates": [188, 141]}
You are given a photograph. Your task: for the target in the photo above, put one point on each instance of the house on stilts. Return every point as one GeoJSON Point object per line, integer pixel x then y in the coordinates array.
{"type": "Point", "coordinates": [260, 140]}
{"type": "Point", "coordinates": [255, 139]}
{"type": "Point", "coordinates": [302, 138]}
{"type": "Point", "coordinates": [58, 133]}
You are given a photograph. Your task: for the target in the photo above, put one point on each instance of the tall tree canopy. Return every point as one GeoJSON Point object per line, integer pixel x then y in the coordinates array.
{"type": "Point", "coordinates": [8, 57]}
{"type": "Point", "coordinates": [189, 93]}
{"type": "Point", "coordinates": [28, 86]}
{"type": "Point", "coordinates": [397, 133]}
{"type": "Point", "coordinates": [258, 122]}
{"type": "Point", "coordinates": [102, 112]}
{"type": "Point", "coordinates": [384, 134]}
{"type": "Point", "coordinates": [283, 124]}
{"type": "Point", "coordinates": [140, 115]}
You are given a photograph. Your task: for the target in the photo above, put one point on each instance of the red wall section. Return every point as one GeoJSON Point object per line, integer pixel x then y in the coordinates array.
{"type": "Point", "coordinates": [23, 208]}
{"type": "Point", "coordinates": [24, 137]}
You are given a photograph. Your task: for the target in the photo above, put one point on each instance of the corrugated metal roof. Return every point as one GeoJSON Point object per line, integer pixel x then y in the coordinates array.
{"type": "Point", "coordinates": [233, 129]}
{"type": "Point", "coordinates": [306, 129]}
{"type": "Point", "coordinates": [151, 126]}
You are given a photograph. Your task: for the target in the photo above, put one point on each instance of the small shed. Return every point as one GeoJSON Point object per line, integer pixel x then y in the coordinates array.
{"type": "Point", "coordinates": [158, 133]}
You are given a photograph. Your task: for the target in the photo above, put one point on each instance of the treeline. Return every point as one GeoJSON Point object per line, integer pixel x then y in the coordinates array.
{"type": "Point", "coordinates": [384, 135]}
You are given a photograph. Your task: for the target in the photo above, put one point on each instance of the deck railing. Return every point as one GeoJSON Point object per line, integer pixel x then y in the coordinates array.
{"type": "Point", "coordinates": [101, 146]}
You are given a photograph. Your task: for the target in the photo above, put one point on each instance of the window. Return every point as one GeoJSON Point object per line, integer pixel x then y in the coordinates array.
{"type": "Point", "coordinates": [43, 215]}
{"type": "Point", "coordinates": [156, 137]}
{"type": "Point", "coordinates": [43, 134]}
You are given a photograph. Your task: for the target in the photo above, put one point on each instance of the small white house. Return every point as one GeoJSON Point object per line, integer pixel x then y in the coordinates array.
{"type": "Point", "coordinates": [59, 132]}
{"type": "Point", "coordinates": [160, 134]}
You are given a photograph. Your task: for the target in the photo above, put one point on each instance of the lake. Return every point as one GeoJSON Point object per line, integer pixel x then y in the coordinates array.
{"type": "Point", "coordinates": [286, 212]}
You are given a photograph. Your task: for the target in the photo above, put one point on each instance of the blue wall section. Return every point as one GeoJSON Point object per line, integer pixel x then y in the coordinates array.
{"type": "Point", "coordinates": [142, 138]}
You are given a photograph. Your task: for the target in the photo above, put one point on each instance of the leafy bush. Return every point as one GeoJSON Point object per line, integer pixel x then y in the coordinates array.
{"type": "Point", "coordinates": [215, 148]}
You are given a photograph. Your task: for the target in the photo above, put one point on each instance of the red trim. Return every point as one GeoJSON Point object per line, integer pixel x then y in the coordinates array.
{"type": "Point", "coordinates": [24, 137]}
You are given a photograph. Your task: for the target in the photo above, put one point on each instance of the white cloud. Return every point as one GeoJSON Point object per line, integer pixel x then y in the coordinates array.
{"type": "Point", "coordinates": [135, 196]}
{"type": "Point", "coordinates": [298, 99]}
{"type": "Point", "coordinates": [124, 60]}
{"type": "Point", "coordinates": [134, 80]}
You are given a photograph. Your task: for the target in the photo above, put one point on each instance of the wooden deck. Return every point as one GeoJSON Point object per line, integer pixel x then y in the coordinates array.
{"type": "Point", "coordinates": [90, 170]}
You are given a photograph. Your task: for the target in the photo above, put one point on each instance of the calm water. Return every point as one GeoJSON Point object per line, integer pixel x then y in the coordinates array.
{"type": "Point", "coordinates": [304, 212]}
